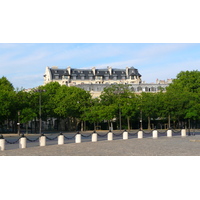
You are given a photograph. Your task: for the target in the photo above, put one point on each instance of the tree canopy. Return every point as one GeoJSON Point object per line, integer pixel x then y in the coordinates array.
{"type": "Point", "coordinates": [178, 105]}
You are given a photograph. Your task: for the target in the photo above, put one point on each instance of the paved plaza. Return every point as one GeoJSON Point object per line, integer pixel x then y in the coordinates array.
{"type": "Point", "coordinates": [161, 146]}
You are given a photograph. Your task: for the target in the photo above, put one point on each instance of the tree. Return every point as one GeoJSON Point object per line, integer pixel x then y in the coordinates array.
{"type": "Point", "coordinates": [149, 106]}
{"type": "Point", "coordinates": [7, 96]}
{"type": "Point", "coordinates": [121, 101]}
{"type": "Point", "coordinates": [71, 103]}
{"type": "Point", "coordinates": [182, 96]}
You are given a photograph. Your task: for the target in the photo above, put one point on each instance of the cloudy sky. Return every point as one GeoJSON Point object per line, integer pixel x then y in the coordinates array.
{"type": "Point", "coordinates": [24, 63]}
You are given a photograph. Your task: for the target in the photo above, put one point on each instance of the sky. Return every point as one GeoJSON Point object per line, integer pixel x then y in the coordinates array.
{"type": "Point", "coordinates": [24, 63]}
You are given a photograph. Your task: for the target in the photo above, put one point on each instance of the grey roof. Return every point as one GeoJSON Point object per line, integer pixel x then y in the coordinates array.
{"type": "Point", "coordinates": [86, 73]}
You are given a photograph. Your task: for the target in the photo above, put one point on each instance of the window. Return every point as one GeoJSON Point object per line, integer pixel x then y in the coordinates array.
{"type": "Point", "coordinates": [74, 77]}
{"type": "Point", "coordinates": [82, 77]}
{"type": "Point", "coordinates": [56, 76]}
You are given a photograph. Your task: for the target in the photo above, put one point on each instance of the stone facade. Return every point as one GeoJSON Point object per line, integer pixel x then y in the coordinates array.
{"type": "Point", "coordinates": [95, 80]}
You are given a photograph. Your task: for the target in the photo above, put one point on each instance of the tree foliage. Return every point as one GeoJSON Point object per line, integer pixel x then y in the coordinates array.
{"type": "Point", "coordinates": [117, 103]}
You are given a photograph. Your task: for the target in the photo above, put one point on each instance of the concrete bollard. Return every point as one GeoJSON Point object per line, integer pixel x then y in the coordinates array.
{"type": "Point", "coordinates": [60, 139]}
{"type": "Point", "coordinates": [110, 136]}
{"type": "Point", "coordinates": [94, 137]}
{"type": "Point", "coordinates": [78, 138]}
{"type": "Point", "coordinates": [155, 134]}
{"type": "Point", "coordinates": [42, 140]}
{"type": "Point", "coordinates": [2, 143]}
{"type": "Point", "coordinates": [140, 134]}
{"type": "Point", "coordinates": [183, 132]}
{"type": "Point", "coordinates": [169, 133]}
{"type": "Point", "coordinates": [125, 135]}
{"type": "Point", "coordinates": [22, 142]}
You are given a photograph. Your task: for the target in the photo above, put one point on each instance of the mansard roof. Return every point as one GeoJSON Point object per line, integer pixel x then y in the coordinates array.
{"type": "Point", "coordinates": [119, 73]}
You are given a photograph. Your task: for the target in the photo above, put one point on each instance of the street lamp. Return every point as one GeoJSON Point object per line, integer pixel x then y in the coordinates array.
{"type": "Point", "coordinates": [141, 120]}
{"type": "Point", "coordinates": [40, 111]}
{"type": "Point", "coordinates": [18, 124]}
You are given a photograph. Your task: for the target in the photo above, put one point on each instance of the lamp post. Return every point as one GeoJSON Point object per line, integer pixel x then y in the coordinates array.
{"type": "Point", "coordinates": [18, 124]}
{"type": "Point", "coordinates": [40, 111]}
{"type": "Point", "coordinates": [141, 120]}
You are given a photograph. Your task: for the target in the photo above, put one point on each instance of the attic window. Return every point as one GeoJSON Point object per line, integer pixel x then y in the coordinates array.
{"type": "Point", "coordinates": [56, 71]}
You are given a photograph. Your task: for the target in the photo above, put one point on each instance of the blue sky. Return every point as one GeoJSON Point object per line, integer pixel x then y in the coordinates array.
{"type": "Point", "coordinates": [24, 63]}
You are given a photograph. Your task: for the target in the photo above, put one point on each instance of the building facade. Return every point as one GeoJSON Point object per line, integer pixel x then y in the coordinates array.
{"type": "Point", "coordinates": [95, 80]}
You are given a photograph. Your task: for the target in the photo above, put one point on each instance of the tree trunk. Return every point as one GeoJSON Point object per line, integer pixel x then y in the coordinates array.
{"type": "Point", "coordinates": [149, 123]}
{"type": "Point", "coordinates": [27, 128]}
{"type": "Point", "coordinates": [169, 125]}
{"type": "Point", "coordinates": [35, 125]}
{"type": "Point", "coordinates": [128, 122]}
{"type": "Point", "coordinates": [82, 127]}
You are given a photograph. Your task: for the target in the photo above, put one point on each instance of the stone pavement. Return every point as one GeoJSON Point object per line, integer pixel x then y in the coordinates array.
{"type": "Point", "coordinates": [162, 146]}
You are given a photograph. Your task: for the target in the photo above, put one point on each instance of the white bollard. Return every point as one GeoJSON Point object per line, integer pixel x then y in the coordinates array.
{"type": "Point", "coordinates": [2, 144]}
{"type": "Point", "coordinates": [183, 132]}
{"type": "Point", "coordinates": [22, 143]}
{"type": "Point", "coordinates": [78, 138]}
{"type": "Point", "coordinates": [155, 134]}
{"type": "Point", "coordinates": [140, 134]}
{"type": "Point", "coordinates": [94, 137]}
{"type": "Point", "coordinates": [169, 133]}
{"type": "Point", "coordinates": [42, 140]}
{"type": "Point", "coordinates": [125, 135]}
{"type": "Point", "coordinates": [110, 136]}
{"type": "Point", "coordinates": [60, 139]}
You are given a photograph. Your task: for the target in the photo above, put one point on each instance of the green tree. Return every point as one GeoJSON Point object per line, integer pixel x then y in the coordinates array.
{"type": "Point", "coordinates": [182, 96]}
{"type": "Point", "coordinates": [121, 100]}
{"type": "Point", "coordinates": [71, 102]}
{"type": "Point", "coordinates": [7, 96]}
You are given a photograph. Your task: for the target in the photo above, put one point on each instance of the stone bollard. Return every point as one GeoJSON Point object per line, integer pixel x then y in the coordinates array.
{"type": "Point", "coordinates": [125, 135]}
{"type": "Point", "coordinates": [22, 142]}
{"type": "Point", "coordinates": [110, 135]}
{"type": "Point", "coordinates": [183, 132]}
{"type": "Point", "coordinates": [60, 139]}
{"type": "Point", "coordinates": [94, 137]}
{"type": "Point", "coordinates": [169, 133]}
{"type": "Point", "coordinates": [140, 134]}
{"type": "Point", "coordinates": [42, 140]}
{"type": "Point", "coordinates": [78, 138]}
{"type": "Point", "coordinates": [155, 134]}
{"type": "Point", "coordinates": [2, 143]}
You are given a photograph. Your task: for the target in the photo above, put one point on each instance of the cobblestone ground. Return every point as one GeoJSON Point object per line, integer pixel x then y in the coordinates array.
{"type": "Point", "coordinates": [162, 146]}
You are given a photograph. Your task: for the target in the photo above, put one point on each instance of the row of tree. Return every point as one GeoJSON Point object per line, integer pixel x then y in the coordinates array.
{"type": "Point", "coordinates": [116, 107]}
